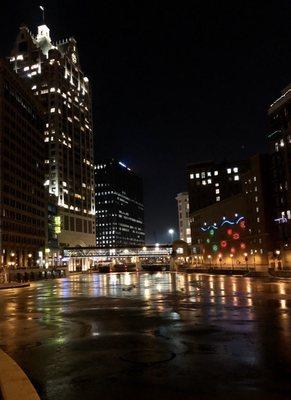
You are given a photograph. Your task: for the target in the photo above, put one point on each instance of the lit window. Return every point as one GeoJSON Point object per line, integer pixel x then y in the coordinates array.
{"type": "Point", "coordinates": [235, 170]}
{"type": "Point", "coordinates": [215, 173]}
{"type": "Point", "coordinates": [256, 198]}
{"type": "Point", "coordinates": [255, 178]}
{"type": "Point", "coordinates": [258, 219]}
{"type": "Point", "coordinates": [203, 182]}
{"type": "Point", "coordinates": [53, 109]}
{"type": "Point", "coordinates": [217, 184]}
{"type": "Point", "coordinates": [191, 176]}
{"type": "Point", "coordinates": [217, 198]}
{"type": "Point", "coordinates": [197, 175]}
{"type": "Point", "coordinates": [209, 180]}
{"type": "Point", "coordinates": [228, 170]}
{"type": "Point", "coordinates": [208, 173]}
{"type": "Point", "coordinates": [217, 191]}
{"type": "Point", "coordinates": [236, 178]}
{"type": "Point", "coordinates": [202, 174]}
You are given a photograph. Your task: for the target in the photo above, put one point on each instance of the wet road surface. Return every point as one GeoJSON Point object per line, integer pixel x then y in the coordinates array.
{"type": "Point", "coordinates": [159, 336]}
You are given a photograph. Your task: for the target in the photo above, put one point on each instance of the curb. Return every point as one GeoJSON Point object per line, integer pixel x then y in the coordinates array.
{"type": "Point", "coordinates": [13, 285]}
{"type": "Point", "coordinates": [14, 383]}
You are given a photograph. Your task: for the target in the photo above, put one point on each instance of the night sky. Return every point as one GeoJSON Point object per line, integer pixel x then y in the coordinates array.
{"type": "Point", "coordinates": [172, 82]}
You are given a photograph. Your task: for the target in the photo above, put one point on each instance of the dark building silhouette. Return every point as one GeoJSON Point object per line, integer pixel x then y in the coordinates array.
{"type": "Point", "coordinates": [22, 194]}
{"type": "Point", "coordinates": [119, 205]}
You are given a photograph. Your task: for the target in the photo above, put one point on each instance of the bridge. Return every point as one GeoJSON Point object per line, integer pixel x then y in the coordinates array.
{"type": "Point", "coordinates": [85, 258]}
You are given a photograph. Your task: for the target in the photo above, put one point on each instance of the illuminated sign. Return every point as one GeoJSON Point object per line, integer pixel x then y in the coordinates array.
{"type": "Point", "coordinates": [282, 220]}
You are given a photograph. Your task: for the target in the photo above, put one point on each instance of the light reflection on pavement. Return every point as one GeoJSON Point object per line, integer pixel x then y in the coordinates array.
{"type": "Point", "coordinates": [163, 335]}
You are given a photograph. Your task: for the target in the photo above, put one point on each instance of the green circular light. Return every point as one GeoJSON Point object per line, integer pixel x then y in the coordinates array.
{"type": "Point", "coordinates": [214, 247]}
{"type": "Point", "coordinates": [211, 232]}
{"type": "Point", "coordinates": [208, 240]}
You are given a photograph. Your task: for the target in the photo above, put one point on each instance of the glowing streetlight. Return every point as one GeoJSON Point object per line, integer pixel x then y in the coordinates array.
{"type": "Point", "coordinates": [171, 232]}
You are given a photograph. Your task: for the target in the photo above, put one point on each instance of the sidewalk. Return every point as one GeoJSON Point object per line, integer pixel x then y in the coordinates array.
{"type": "Point", "coordinates": [13, 285]}
{"type": "Point", "coordinates": [14, 383]}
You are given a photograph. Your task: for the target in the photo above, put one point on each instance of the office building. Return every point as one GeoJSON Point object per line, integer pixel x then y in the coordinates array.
{"type": "Point", "coordinates": [210, 182]}
{"type": "Point", "coordinates": [53, 72]}
{"type": "Point", "coordinates": [238, 229]}
{"type": "Point", "coordinates": [22, 194]}
{"type": "Point", "coordinates": [280, 144]}
{"type": "Point", "coordinates": [183, 217]}
{"type": "Point", "coordinates": [119, 205]}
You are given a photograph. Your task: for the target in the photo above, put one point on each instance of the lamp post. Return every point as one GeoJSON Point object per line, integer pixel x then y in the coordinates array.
{"type": "Point", "coordinates": [171, 233]}
{"type": "Point", "coordinates": [231, 256]}
{"type": "Point", "coordinates": [209, 258]}
{"type": "Point", "coordinates": [255, 259]}
{"type": "Point", "coordinates": [246, 259]}
{"type": "Point", "coordinates": [278, 252]}
{"type": "Point", "coordinates": [220, 259]}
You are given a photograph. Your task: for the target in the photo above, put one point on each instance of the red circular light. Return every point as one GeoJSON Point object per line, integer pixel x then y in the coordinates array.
{"type": "Point", "coordinates": [235, 236]}
{"type": "Point", "coordinates": [229, 232]}
{"type": "Point", "coordinates": [242, 245]}
{"type": "Point", "coordinates": [223, 243]}
{"type": "Point", "coordinates": [232, 250]}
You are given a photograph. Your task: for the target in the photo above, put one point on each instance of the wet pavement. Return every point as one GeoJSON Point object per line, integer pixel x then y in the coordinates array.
{"type": "Point", "coordinates": [151, 336]}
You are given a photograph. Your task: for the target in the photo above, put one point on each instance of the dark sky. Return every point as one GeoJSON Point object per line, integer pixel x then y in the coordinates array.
{"type": "Point", "coordinates": [172, 82]}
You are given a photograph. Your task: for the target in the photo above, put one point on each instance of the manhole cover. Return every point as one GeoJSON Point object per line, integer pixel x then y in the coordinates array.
{"type": "Point", "coordinates": [148, 357]}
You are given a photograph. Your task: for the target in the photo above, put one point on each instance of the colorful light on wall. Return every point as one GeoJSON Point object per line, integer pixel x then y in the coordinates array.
{"type": "Point", "coordinates": [229, 232]}
{"type": "Point", "coordinates": [214, 247]}
{"type": "Point", "coordinates": [223, 243]}
{"type": "Point", "coordinates": [236, 236]}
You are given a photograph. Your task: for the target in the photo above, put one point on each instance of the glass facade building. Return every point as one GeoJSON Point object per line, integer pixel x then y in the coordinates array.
{"type": "Point", "coordinates": [119, 205]}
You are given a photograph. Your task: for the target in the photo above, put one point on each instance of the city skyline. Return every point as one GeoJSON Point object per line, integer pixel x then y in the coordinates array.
{"type": "Point", "coordinates": [188, 87]}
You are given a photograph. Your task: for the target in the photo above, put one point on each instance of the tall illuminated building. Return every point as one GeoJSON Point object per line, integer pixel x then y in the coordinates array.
{"type": "Point", "coordinates": [183, 216]}
{"type": "Point", "coordinates": [54, 74]}
{"type": "Point", "coordinates": [119, 205]}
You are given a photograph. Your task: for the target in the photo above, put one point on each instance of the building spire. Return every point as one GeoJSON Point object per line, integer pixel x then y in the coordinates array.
{"type": "Point", "coordinates": [42, 10]}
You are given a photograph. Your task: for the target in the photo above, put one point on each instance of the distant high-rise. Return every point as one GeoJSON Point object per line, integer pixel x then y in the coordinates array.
{"type": "Point", "coordinates": [183, 217]}
{"type": "Point", "coordinates": [54, 74]}
{"type": "Point", "coordinates": [119, 205]}
{"type": "Point", "coordinates": [22, 194]}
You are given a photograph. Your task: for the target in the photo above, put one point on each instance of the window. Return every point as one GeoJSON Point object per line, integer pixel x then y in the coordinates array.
{"type": "Point", "coordinates": [208, 173]}
{"type": "Point", "coordinates": [215, 173]}
{"type": "Point", "coordinates": [236, 178]}
{"type": "Point", "coordinates": [197, 175]}
{"type": "Point", "coordinates": [228, 170]}
{"type": "Point", "coordinates": [191, 176]}
{"type": "Point", "coordinates": [209, 180]}
{"type": "Point", "coordinates": [217, 198]}
{"type": "Point", "coordinates": [217, 191]}
{"type": "Point", "coordinates": [235, 170]}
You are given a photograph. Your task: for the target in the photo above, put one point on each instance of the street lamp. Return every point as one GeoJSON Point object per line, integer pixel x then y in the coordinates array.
{"type": "Point", "coordinates": [209, 258]}
{"type": "Point", "coordinates": [246, 259]}
{"type": "Point", "coordinates": [220, 259]}
{"type": "Point", "coordinates": [171, 232]}
{"type": "Point", "coordinates": [231, 256]}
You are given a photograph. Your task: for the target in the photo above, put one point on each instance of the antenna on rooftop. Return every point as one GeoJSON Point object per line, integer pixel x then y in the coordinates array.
{"type": "Point", "coordinates": [42, 9]}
